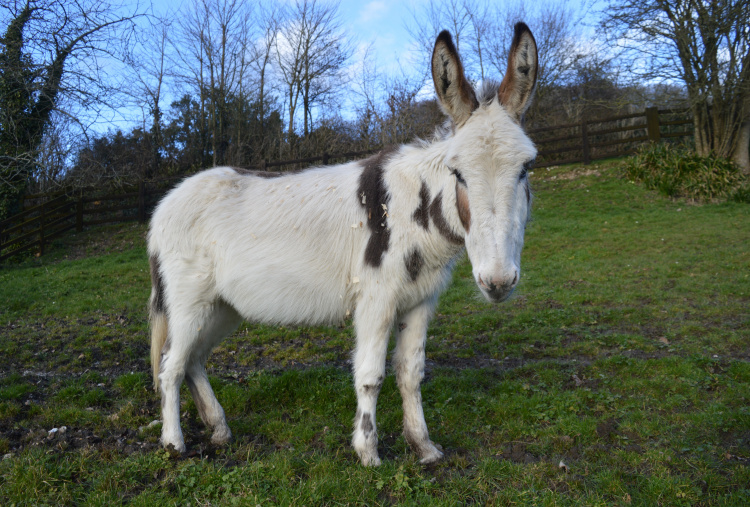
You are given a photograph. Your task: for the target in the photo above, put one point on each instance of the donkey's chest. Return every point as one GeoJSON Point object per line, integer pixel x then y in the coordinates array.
{"type": "Point", "coordinates": [420, 279]}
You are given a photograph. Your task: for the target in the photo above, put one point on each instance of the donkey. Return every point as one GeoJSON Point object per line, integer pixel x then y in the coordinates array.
{"type": "Point", "coordinates": [376, 239]}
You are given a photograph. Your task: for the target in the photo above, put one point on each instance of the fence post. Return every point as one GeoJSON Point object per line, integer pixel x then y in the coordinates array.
{"type": "Point", "coordinates": [41, 228]}
{"type": "Point", "coordinates": [79, 213]}
{"type": "Point", "coordinates": [263, 165]}
{"type": "Point", "coordinates": [652, 124]}
{"type": "Point", "coordinates": [325, 158]}
{"type": "Point", "coordinates": [141, 201]}
{"type": "Point", "coordinates": [585, 139]}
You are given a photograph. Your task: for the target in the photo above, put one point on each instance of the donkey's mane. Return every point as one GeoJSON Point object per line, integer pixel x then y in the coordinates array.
{"type": "Point", "coordinates": [487, 91]}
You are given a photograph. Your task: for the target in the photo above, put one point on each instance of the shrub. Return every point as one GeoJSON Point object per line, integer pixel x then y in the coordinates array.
{"type": "Point", "coordinates": [677, 171]}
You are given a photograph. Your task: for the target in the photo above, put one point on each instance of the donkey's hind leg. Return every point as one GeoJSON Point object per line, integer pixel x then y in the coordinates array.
{"type": "Point", "coordinates": [223, 321]}
{"type": "Point", "coordinates": [192, 334]}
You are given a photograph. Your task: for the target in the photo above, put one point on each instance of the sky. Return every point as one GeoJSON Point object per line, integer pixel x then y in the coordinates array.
{"type": "Point", "coordinates": [377, 22]}
{"type": "Point", "coordinates": [380, 25]}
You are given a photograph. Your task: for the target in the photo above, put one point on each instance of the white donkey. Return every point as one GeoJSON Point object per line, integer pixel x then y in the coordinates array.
{"type": "Point", "coordinates": [376, 238]}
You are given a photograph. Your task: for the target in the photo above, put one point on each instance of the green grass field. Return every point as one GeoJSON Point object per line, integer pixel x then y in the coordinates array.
{"type": "Point", "coordinates": [619, 374]}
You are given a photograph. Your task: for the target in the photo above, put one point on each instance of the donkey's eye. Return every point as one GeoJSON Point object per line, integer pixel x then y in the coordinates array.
{"type": "Point", "coordinates": [459, 177]}
{"type": "Point", "coordinates": [526, 168]}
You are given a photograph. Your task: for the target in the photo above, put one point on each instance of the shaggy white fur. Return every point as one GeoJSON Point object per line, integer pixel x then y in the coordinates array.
{"type": "Point", "coordinates": [375, 239]}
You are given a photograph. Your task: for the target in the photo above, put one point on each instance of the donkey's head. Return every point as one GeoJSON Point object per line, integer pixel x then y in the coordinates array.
{"type": "Point", "coordinates": [489, 156]}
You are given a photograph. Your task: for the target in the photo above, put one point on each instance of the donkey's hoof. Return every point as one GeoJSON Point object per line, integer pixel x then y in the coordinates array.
{"type": "Point", "coordinates": [370, 461]}
{"type": "Point", "coordinates": [175, 450]}
{"type": "Point", "coordinates": [431, 454]}
{"type": "Point", "coordinates": [221, 436]}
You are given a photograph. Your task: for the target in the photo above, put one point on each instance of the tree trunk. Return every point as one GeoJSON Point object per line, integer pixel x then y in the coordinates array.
{"type": "Point", "coordinates": [741, 155]}
{"type": "Point", "coordinates": [718, 133]}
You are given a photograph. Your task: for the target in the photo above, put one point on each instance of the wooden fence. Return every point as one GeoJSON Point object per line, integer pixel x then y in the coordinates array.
{"type": "Point", "coordinates": [47, 216]}
{"type": "Point", "coordinates": [615, 136]}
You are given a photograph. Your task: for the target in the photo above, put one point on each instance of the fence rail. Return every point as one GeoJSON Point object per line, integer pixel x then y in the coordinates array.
{"type": "Point", "coordinates": [615, 136]}
{"type": "Point", "coordinates": [581, 142]}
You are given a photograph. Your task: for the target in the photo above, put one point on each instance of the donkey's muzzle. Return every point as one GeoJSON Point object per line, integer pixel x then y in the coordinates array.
{"type": "Point", "coordinates": [498, 289]}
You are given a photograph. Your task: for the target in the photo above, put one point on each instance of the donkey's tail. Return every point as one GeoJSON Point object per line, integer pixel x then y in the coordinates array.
{"type": "Point", "coordinates": [157, 318]}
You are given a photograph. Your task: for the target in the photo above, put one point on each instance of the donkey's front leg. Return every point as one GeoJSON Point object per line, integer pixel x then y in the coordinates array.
{"type": "Point", "coordinates": [408, 360]}
{"type": "Point", "coordinates": [373, 328]}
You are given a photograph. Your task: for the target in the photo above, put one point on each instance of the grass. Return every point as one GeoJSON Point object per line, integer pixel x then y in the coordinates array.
{"type": "Point", "coordinates": [618, 375]}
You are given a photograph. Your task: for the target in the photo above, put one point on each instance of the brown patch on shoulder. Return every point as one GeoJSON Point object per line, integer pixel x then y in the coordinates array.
{"type": "Point", "coordinates": [436, 213]}
{"type": "Point", "coordinates": [414, 263]}
{"type": "Point", "coordinates": [373, 197]}
{"type": "Point", "coordinates": [462, 203]}
{"type": "Point", "coordinates": [158, 304]}
{"type": "Point", "coordinates": [259, 174]}
{"type": "Point", "coordinates": [421, 215]}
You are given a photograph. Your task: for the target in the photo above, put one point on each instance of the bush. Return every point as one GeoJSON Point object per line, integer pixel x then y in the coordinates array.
{"type": "Point", "coordinates": [677, 171]}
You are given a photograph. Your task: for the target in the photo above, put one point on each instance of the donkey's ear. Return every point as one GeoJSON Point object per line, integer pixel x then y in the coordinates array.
{"type": "Point", "coordinates": [517, 88]}
{"type": "Point", "coordinates": [455, 93]}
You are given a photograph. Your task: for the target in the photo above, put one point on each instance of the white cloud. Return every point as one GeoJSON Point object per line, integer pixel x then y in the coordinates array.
{"type": "Point", "coordinates": [373, 11]}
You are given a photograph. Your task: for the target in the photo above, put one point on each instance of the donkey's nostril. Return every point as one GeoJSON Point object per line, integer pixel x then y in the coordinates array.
{"type": "Point", "coordinates": [481, 282]}
{"type": "Point", "coordinates": [489, 285]}
{"type": "Point", "coordinates": [515, 279]}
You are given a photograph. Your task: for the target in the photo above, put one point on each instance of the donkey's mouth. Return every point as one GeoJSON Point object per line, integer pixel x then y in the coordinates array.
{"type": "Point", "coordinates": [497, 296]}
{"type": "Point", "coordinates": [496, 293]}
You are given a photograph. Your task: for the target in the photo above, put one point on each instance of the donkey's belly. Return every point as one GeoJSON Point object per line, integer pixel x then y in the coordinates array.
{"type": "Point", "coordinates": [278, 292]}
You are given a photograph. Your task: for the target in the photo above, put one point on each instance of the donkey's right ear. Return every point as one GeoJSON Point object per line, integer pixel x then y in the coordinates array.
{"type": "Point", "coordinates": [455, 93]}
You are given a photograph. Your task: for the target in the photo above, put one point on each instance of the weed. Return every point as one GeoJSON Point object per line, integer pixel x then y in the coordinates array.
{"type": "Point", "coordinates": [677, 171]}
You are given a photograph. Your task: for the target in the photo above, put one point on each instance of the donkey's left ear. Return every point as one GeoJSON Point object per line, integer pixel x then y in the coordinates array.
{"type": "Point", "coordinates": [455, 93]}
{"type": "Point", "coordinates": [517, 88]}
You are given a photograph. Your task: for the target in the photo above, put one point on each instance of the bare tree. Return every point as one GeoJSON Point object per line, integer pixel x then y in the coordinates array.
{"type": "Point", "coordinates": [704, 44]}
{"type": "Point", "coordinates": [271, 19]}
{"type": "Point", "coordinates": [469, 22]}
{"type": "Point", "coordinates": [481, 32]}
{"type": "Point", "coordinates": [555, 31]}
{"type": "Point", "coordinates": [214, 50]}
{"type": "Point", "coordinates": [52, 52]}
{"type": "Point", "coordinates": [151, 66]}
{"type": "Point", "coordinates": [311, 51]}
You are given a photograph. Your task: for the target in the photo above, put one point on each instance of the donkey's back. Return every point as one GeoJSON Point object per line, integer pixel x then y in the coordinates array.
{"type": "Point", "coordinates": [277, 249]}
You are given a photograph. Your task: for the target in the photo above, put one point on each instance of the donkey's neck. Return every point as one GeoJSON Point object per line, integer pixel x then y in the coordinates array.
{"type": "Point", "coordinates": [424, 196]}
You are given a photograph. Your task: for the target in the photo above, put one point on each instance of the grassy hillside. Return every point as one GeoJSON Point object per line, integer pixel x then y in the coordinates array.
{"type": "Point", "coordinates": [619, 374]}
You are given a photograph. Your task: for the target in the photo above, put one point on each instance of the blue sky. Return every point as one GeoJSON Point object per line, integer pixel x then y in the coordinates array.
{"type": "Point", "coordinates": [378, 24]}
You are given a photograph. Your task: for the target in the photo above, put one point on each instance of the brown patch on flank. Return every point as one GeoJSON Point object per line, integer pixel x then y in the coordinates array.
{"type": "Point", "coordinates": [157, 303]}
{"type": "Point", "coordinates": [421, 215]}
{"type": "Point", "coordinates": [462, 203]}
{"type": "Point", "coordinates": [414, 263]}
{"type": "Point", "coordinates": [373, 197]}
{"type": "Point", "coordinates": [436, 213]}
